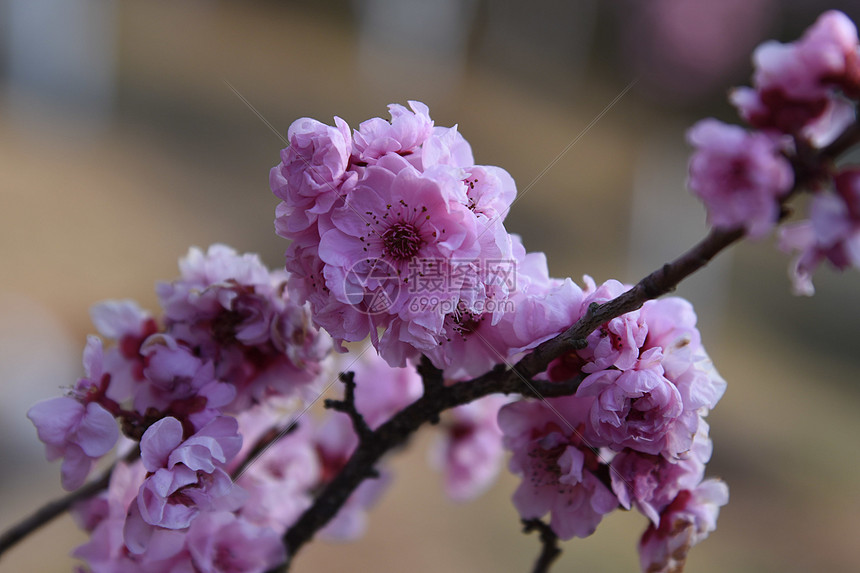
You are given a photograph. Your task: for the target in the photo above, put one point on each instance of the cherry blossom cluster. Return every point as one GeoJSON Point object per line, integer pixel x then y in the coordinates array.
{"type": "Point", "coordinates": [225, 370]}
{"type": "Point", "coordinates": [395, 230]}
{"type": "Point", "coordinates": [365, 210]}
{"type": "Point", "coordinates": [633, 435]}
{"type": "Point", "coordinates": [804, 97]}
{"type": "Point", "coordinates": [229, 340]}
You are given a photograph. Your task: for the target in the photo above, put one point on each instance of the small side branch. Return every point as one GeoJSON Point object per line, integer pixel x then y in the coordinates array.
{"type": "Point", "coordinates": [348, 407]}
{"type": "Point", "coordinates": [550, 549]}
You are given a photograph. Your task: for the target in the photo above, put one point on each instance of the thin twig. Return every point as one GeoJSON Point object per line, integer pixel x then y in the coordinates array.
{"type": "Point", "coordinates": [550, 550]}
{"type": "Point", "coordinates": [348, 407]}
{"type": "Point", "coordinates": [57, 507]}
{"type": "Point", "coordinates": [263, 443]}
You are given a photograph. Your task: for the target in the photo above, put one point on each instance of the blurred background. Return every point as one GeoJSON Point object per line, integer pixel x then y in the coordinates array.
{"type": "Point", "coordinates": [123, 141]}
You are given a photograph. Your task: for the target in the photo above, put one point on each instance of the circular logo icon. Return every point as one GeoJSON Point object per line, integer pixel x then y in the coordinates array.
{"type": "Point", "coordinates": [371, 286]}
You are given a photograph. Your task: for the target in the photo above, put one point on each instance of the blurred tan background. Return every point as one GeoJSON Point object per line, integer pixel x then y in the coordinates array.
{"type": "Point", "coordinates": [121, 144]}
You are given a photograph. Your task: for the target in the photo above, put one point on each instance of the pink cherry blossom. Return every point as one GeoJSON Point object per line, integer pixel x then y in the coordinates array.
{"type": "Point", "coordinates": [79, 433]}
{"type": "Point", "coordinates": [446, 146]}
{"type": "Point", "coordinates": [229, 310]}
{"type": "Point", "coordinates": [312, 177]}
{"type": "Point", "coordinates": [280, 482]}
{"type": "Point", "coordinates": [380, 390]}
{"type": "Point", "coordinates": [391, 226]}
{"type": "Point", "coordinates": [129, 325]}
{"type": "Point", "coordinates": [638, 408]}
{"type": "Point", "coordinates": [688, 520]}
{"type": "Point", "coordinates": [335, 442]}
{"type": "Point", "coordinates": [740, 176]}
{"type": "Point", "coordinates": [535, 308]}
{"type": "Point", "coordinates": [557, 463]}
{"type": "Point", "coordinates": [185, 476]}
{"type": "Point", "coordinates": [651, 482]}
{"type": "Point", "coordinates": [832, 232]}
{"type": "Point", "coordinates": [795, 84]}
{"type": "Point", "coordinates": [617, 342]}
{"type": "Point", "coordinates": [104, 518]}
{"type": "Point", "coordinates": [406, 131]}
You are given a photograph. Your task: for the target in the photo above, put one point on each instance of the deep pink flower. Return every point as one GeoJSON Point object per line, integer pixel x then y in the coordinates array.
{"type": "Point", "coordinates": [78, 433]}
{"type": "Point", "coordinates": [795, 83]}
{"type": "Point", "coordinates": [557, 463]}
{"type": "Point", "coordinates": [740, 176]}
{"type": "Point", "coordinates": [688, 520]}
{"type": "Point", "coordinates": [129, 325]}
{"type": "Point", "coordinates": [617, 342]}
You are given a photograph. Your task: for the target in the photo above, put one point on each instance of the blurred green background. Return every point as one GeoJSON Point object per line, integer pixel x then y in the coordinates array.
{"type": "Point", "coordinates": [122, 144]}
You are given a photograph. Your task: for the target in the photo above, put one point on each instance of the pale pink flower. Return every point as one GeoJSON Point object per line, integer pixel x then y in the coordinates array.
{"type": "Point", "coordinates": [381, 390]}
{"type": "Point", "coordinates": [335, 442]}
{"type": "Point", "coordinates": [280, 482]}
{"type": "Point", "coordinates": [446, 146]}
{"type": "Point", "coordinates": [185, 477]}
{"type": "Point", "coordinates": [79, 433]}
{"type": "Point", "coordinates": [740, 176]}
{"type": "Point", "coordinates": [104, 517]}
{"type": "Point", "coordinates": [406, 131]}
{"type": "Point", "coordinates": [312, 177]}
{"type": "Point", "coordinates": [639, 408]}
{"type": "Point", "coordinates": [831, 234]}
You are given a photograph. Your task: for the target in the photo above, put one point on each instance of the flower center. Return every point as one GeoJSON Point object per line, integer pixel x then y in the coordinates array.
{"type": "Point", "coordinates": [402, 241]}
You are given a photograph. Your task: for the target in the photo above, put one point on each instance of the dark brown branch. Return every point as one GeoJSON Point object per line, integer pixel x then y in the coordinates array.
{"type": "Point", "coordinates": [550, 550]}
{"type": "Point", "coordinates": [348, 407]}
